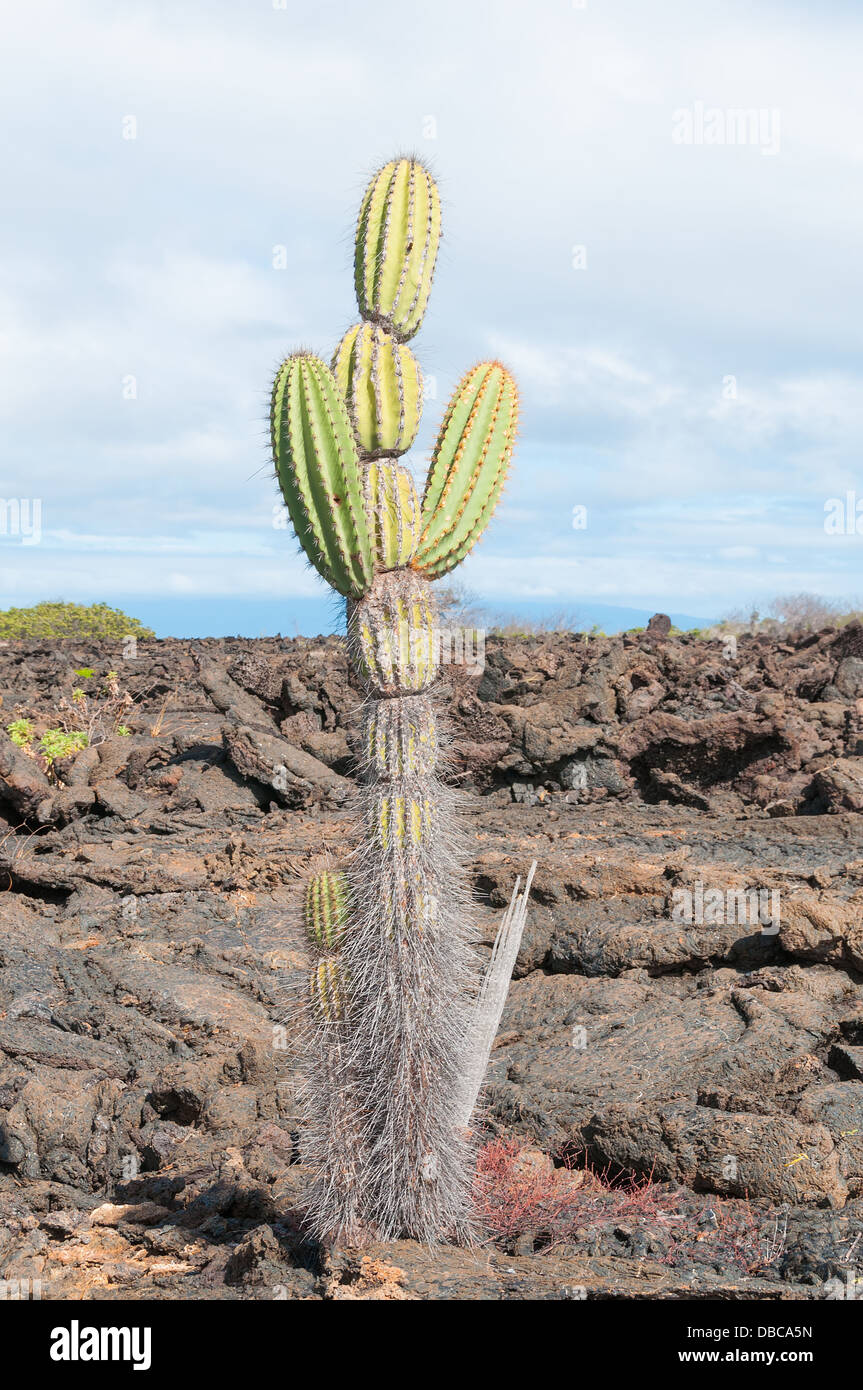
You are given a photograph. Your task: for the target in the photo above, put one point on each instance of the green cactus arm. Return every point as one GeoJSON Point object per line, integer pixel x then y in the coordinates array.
{"type": "Point", "coordinates": [318, 470]}
{"type": "Point", "coordinates": [469, 467]}
{"type": "Point", "coordinates": [398, 234]}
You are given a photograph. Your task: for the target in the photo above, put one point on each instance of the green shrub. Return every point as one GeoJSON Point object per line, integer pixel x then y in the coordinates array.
{"type": "Point", "coordinates": [57, 743]}
{"type": "Point", "coordinates": [20, 731]}
{"type": "Point", "coordinates": [96, 620]}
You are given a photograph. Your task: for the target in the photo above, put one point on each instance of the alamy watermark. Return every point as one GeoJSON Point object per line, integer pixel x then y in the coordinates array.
{"type": "Point", "coordinates": [77, 1343]}
{"type": "Point", "coordinates": [757, 126]}
{"type": "Point", "coordinates": [754, 907]}
{"type": "Point", "coordinates": [20, 1290]}
{"type": "Point", "coordinates": [846, 1285]}
{"type": "Point", "coordinates": [843, 516]}
{"type": "Point", "coordinates": [429, 647]}
{"type": "Point", "coordinates": [21, 516]}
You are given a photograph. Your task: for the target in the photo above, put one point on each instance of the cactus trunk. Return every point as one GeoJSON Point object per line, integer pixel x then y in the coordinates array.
{"type": "Point", "coordinates": [411, 968]}
{"type": "Point", "coordinates": [391, 1012]}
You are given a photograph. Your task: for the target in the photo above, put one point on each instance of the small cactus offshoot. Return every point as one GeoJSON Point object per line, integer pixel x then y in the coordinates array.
{"type": "Point", "coordinates": [327, 910]}
{"type": "Point", "coordinates": [327, 990]}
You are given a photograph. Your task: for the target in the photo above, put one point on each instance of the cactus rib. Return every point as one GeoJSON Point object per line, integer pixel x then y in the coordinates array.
{"type": "Point", "coordinates": [393, 514]}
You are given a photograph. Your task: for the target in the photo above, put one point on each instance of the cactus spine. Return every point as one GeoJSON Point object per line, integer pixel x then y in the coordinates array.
{"type": "Point", "coordinates": [391, 1076]}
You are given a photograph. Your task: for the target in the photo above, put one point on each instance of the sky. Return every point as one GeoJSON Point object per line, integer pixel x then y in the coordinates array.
{"type": "Point", "coordinates": [677, 290]}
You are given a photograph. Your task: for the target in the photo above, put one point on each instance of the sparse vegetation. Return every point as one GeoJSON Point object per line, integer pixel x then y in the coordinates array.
{"type": "Point", "coordinates": [516, 1196]}
{"type": "Point", "coordinates": [523, 1196]}
{"type": "Point", "coordinates": [83, 718]}
{"type": "Point", "coordinates": [790, 615]}
{"type": "Point", "coordinates": [21, 732]}
{"type": "Point", "coordinates": [61, 743]}
{"type": "Point", "coordinates": [458, 605]}
{"type": "Point", "coordinates": [100, 709]}
{"type": "Point", "coordinates": [514, 625]}
{"type": "Point", "coordinates": [46, 620]}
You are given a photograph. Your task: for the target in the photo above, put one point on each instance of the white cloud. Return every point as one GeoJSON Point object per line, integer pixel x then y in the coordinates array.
{"type": "Point", "coordinates": [152, 258]}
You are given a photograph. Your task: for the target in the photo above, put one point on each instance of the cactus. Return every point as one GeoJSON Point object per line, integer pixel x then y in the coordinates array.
{"type": "Point", "coordinates": [398, 1023]}
{"type": "Point", "coordinates": [334, 1140]}
{"type": "Point", "coordinates": [401, 739]}
{"type": "Point", "coordinates": [392, 635]}
{"type": "Point", "coordinates": [326, 990]}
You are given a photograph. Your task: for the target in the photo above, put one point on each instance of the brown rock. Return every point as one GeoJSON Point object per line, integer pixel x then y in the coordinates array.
{"type": "Point", "coordinates": [769, 1156]}
{"type": "Point", "coordinates": [22, 781]}
{"type": "Point", "coordinates": [294, 777]}
{"type": "Point", "coordinates": [841, 785]}
{"type": "Point", "coordinates": [116, 798]}
{"type": "Point", "coordinates": [659, 625]}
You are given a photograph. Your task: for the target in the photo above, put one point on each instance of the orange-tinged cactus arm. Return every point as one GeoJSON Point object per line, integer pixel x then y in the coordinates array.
{"type": "Point", "coordinates": [469, 467]}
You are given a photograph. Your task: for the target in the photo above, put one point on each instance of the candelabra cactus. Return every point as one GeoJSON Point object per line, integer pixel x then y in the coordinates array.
{"type": "Point", "coordinates": [393, 989]}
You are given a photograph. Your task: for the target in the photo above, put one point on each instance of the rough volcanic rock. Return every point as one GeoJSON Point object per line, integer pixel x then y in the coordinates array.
{"type": "Point", "coordinates": [712, 1056]}
{"type": "Point", "coordinates": [23, 784]}
{"type": "Point", "coordinates": [726, 1153]}
{"type": "Point", "coordinates": [294, 777]}
{"type": "Point", "coordinates": [841, 784]}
